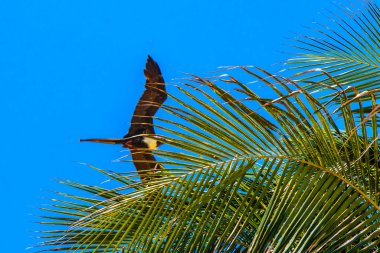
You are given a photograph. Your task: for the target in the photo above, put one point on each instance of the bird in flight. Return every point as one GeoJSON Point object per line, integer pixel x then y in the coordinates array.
{"type": "Point", "coordinates": [138, 138]}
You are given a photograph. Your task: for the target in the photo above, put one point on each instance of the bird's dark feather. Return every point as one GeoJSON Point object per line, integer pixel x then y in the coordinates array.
{"type": "Point", "coordinates": [145, 163]}
{"type": "Point", "coordinates": [151, 100]}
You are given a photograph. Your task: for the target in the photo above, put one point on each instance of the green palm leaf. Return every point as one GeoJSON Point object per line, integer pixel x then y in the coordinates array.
{"type": "Point", "coordinates": [296, 179]}
{"type": "Point", "coordinates": [316, 212]}
{"type": "Point", "coordinates": [350, 51]}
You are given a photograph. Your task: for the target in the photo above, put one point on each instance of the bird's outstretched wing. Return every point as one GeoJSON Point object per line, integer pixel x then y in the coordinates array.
{"type": "Point", "coordinates": [145, 163]}
{"type": "Point", "coordinates": [151, 100]}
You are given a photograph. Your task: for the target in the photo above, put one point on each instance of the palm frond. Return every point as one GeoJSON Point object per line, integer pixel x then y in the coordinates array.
{"type": "Point", "coordinates": [349, 51]}
{"type": "Point", "coordinates": [238, 180]}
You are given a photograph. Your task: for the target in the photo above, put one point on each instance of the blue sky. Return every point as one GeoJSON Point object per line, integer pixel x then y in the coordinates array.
{"type": "Point", "coordinates": [73, 69]}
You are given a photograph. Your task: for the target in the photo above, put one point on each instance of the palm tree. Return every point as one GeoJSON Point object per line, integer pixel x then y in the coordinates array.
{"type": "Point", "coordinates": [294, 172]}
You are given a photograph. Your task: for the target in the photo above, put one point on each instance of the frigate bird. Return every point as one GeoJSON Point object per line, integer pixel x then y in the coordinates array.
{"type": "Point", "coordinates": [139, 137]}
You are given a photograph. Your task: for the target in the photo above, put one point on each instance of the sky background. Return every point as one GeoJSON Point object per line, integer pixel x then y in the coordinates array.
{"type": "Point", "coordinates": [74, 69]}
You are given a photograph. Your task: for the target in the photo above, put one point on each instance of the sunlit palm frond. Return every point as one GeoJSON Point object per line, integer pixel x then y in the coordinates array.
{"type": "Point", "coordinates": [317, 211]}
{"type": "Point", "coordinates": [281, 177]}
{"type": "Point", "coordinates": [349, 50]}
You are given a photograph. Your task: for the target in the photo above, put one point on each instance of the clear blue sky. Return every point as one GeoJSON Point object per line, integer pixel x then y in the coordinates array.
{"type": "Point", "coordinates": [73, 69]}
